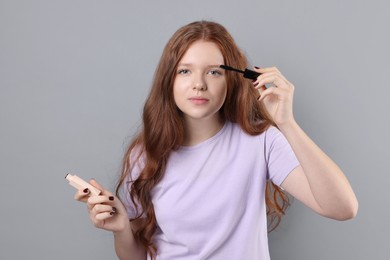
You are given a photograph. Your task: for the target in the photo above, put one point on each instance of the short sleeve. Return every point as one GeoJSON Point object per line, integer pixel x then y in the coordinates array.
{"type": "Point", "coordinates": [279, 156]}
{"type": "Point", "coordinates": [127, 202]}
{"type": "Point", "coordinates": [134, 172]}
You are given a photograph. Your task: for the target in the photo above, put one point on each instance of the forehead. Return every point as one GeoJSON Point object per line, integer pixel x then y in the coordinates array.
{"type": "Point", "coordinates": [203, 51]}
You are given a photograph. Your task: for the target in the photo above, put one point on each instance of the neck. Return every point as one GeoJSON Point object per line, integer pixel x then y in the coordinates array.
{"type": "Point", "coordinates": [199, 130]}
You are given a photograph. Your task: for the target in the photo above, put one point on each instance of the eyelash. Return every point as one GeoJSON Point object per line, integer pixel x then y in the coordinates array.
{"type": "Point", "coordinates": [186, 71]}
{"type": "Point", "coordinates": [182, 71]}
{"type": "Point", "coordinates": [215, 72]}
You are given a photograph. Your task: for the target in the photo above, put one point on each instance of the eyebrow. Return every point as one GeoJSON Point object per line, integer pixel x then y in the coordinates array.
{"type": "Point", "coordinates": [190, 64]}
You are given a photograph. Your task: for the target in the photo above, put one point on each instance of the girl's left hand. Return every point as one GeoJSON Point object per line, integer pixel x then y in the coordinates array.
{"type": "Point", "coordinates": [278, 99]}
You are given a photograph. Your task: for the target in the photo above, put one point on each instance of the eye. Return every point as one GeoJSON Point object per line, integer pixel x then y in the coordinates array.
{"type": "Point", "coordinates": [215, 72]}
{"type": "Point", "coordinates": [183, 71]}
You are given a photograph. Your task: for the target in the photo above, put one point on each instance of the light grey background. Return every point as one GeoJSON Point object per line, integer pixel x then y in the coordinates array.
{"type": "Point", "coordinates": [74, 75]}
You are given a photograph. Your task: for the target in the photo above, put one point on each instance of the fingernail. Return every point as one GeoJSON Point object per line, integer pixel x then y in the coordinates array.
{"type": "Point", "coordinates": [113, 209]}
{"type": "Point", "coordinates": [257, 67]}
{"type": "Point", "coordinates": [111, 198]}
{"type": "Point", "coordinates": [86, 190]}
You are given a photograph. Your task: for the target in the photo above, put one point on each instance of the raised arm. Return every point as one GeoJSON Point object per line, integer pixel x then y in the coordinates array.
{"type": "Point", "coordinates": [318, 182]}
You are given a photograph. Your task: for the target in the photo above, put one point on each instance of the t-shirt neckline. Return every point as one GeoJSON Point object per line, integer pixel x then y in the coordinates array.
{"type": "Point", "coordinates": [207, 141]}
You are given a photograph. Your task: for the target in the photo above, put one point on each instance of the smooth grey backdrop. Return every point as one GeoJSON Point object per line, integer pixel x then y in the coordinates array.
{"type": "Point", "coordinates": [74, 75]}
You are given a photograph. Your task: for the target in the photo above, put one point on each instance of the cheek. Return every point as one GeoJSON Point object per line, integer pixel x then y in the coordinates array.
{"type": "Point", "coordinates": [176, 95]}
{"type": "Point", "coordinates": [223, 92]}
{"type": "Point", "coordinates": [178, 91]}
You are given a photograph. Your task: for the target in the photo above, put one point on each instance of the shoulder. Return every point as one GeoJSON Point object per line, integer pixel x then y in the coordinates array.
{"type": "Point", "coordinates": [136, 161]}
{"type": "Point", "coordinates": [273, 135]}
{"type": "Point", "coordinates": [270, 133]}
{"type": "Point", "coordinates": [239, 138]}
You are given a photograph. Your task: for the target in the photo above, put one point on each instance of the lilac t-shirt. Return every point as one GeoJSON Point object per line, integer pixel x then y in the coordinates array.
{"type": "Point", "coordinates": [210, 203]}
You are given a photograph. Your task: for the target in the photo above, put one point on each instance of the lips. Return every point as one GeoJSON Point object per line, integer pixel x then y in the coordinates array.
{"type": "Point", "coordinates": [198, 100]}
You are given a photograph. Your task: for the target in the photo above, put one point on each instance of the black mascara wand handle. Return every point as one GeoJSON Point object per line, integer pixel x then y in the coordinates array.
{"type": "Point", "coordinates": [249, 74]}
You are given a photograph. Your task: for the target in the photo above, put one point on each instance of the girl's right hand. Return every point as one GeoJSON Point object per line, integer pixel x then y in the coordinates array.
{"type": "Point", "coordinates": [106, 211]}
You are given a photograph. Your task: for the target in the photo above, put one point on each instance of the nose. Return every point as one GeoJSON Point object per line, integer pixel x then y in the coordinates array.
{"type": "Point", "coordinates": [200, 85]}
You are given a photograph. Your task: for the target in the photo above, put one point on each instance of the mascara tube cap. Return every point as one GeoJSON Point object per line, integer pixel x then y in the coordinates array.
{"type": "Point", "coordinates": [80, 184]}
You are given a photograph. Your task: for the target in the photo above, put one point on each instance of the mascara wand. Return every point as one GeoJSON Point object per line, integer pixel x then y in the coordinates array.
{"type": "Point", "coordinates": [249, 74]}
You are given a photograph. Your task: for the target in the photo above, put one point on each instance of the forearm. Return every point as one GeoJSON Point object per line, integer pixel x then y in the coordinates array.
{"type": "Point", "coordinates": [329, 186]}
{"type": "Point", "coordinates": [126, 247]}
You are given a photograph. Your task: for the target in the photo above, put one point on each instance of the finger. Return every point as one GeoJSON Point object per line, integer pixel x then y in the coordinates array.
{"type": "Point", "coordinates": [101, 208]}
{"type": "Point", "coordinates": [260, 70]}
{"type": "Point", "coordinates": [268, 75]}
{"type": "Point", "coordinates": [272, 91]}
{"type": "Point", "coordinates": [264, 79]}
{"type": "Point", "coordinates": [101, 199]}
{"type": "Point", "coordinates": [273, 79]}
{"type": "Point", "coordinates": [267, 69]}
{"type": "Point", "coordinates": [273, 70]}
{"type": "Point", "coordinates": [104, 216]}
{"type": "Point", "coordinates": [99, 220]}
{"type": "Point", "coordinates": [94, 183]}
{"type": "Point", "coordinates": [261, 89]}
{"type": "Point", "coordinates": [82, 195]}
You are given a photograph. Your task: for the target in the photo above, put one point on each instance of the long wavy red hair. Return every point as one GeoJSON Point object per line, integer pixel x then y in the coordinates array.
{"type": "Point", "coordinates": [163, 125]}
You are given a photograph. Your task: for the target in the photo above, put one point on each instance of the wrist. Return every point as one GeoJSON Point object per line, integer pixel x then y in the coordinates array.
{"type": "Point", "coordinates": [124, 228]}
{"type": "Point", "coordinates": [287, 125]}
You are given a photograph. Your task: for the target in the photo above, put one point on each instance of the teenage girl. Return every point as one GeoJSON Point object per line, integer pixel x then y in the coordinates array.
{"type": "Point", "coordinates": [215, 156]}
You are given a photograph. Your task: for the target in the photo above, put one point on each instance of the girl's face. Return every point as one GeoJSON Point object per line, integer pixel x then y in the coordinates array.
{"type": "Point", "coordinates": [199, 88]}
